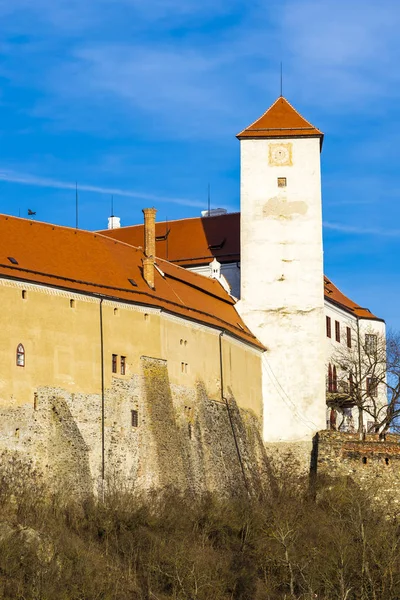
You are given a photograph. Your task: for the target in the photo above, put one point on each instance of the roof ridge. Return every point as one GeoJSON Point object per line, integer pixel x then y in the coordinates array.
{"type": "Point", "coordinates": [235, 212]}
{"type": "Point", "coordinates": [296, 111]}
{"type": "Point", "coordinates": [264, 113]}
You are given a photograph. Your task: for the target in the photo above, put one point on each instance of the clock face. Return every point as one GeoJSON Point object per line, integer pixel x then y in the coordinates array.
{"type": "Point", "coordinates": [280, 154]}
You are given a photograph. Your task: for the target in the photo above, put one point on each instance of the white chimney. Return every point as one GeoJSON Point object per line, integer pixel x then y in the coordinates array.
{"type": "Point", "coordinates": [114, 222]}
{"type": "Point", "coordinates": [214, 212]}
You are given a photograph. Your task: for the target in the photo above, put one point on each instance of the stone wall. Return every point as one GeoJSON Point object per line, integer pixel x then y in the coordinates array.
{"type": "Point", "coordinates": [182, 439]}
{"type": "Point", "coordinates": [372, 463]}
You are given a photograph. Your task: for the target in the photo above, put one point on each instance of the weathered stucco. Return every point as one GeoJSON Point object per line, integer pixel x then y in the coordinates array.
{"type": "Point", "coordinates": [282, 297]}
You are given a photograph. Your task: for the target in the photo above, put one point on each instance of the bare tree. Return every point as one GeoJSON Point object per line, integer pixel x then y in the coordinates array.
{"type": "Point", "coordinates": [366, 374]}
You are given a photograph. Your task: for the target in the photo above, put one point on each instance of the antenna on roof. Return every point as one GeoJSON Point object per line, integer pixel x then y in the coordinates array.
{"type": "Point", "coordinates": [281, 81]}
{"type": "Point", "coordinates": [166, 236]}
{"type": "Point", "coordinates": [209, 200]}
{"type": "Point", "coordinates": [112, 205]}
{"type": "Point", "coordinates": [76, 205]}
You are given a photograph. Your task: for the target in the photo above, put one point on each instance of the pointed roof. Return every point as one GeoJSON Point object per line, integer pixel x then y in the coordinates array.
{"type": "Point", "coordinates": [281, 120]}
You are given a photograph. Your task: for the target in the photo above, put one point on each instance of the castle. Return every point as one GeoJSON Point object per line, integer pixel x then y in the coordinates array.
{"type": "Point", "coordinates": [120, 360]}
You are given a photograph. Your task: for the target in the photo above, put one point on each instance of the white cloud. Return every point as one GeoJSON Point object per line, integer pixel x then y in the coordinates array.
{"type": "Point", "coordinates": [360, 230]}
{"type": "Point", "coordinates": [44, 182]}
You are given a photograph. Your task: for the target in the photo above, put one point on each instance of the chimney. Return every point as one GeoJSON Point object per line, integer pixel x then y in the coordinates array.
{"type": "Point", "coordinates": [149, 245]}
{"type": "Point", "coordinates": [114, 222]}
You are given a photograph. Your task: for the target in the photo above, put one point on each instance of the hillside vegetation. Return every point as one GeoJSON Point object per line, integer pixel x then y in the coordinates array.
{"type": "Point", "coordinates": [289, 544]}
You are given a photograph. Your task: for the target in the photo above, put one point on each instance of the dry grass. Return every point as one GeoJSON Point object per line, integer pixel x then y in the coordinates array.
{"type": "Point", "coordinates": [172, 547]}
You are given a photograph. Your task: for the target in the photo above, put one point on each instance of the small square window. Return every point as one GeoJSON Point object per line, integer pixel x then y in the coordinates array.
{"type": "Point", "coordinates": [123, 365]}
{"type": "Point", "coordinates": [282, 182]}
{"type": "Point", "coordinates": [134, 418]}
{"type": "Point", "coordinates": [114, 363]}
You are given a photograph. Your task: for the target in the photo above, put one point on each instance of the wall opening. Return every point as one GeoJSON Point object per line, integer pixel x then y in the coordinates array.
{"type": "Point", "coordinates": [24, 294]}
{"type": "Point", "coordinates": [20, 356]}
{"type": "Point", "coordinates": [134, 418]}
{"type": "Point", "coordinates": [72, 303]}
{"type": "Point", "coordinates": [364, 460]}
{"type": "Point", "coordinates": [387, 461]}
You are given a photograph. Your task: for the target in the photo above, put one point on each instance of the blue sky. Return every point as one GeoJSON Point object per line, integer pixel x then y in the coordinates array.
{"type": "Point", "coordinates": [143, 98]}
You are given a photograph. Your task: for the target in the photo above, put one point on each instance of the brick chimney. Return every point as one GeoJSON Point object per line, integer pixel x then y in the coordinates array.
{"type": "Point", "coordinates": [149, 245]}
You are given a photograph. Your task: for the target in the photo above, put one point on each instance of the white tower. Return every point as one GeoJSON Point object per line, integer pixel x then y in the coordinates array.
{"type": "Point", "coordinates": [282, 298]}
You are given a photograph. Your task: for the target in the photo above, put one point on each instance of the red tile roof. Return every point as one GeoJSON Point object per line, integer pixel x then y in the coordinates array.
{"type": "Point", "coordinates": [198, 240]}
{"type": "Point", "coordinates": [334, 295]}
{"type": "Point", "coordinates": [95, 264]}
{"type": "Point", "coordinates": [281, 120]}
{"type": "Point", "coordinates": [189, 242]}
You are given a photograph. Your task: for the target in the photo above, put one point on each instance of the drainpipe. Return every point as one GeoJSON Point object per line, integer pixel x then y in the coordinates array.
{"type": "Point", "coordinates": [225, 400]}
{"type": "Point", "coordinates": [102, 397]}
{"type": "Point", "coordinates": [359, 393]}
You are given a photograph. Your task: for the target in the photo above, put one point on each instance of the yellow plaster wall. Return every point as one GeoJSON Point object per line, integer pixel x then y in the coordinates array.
{"type": "Point", "coordinates": [62, 347]}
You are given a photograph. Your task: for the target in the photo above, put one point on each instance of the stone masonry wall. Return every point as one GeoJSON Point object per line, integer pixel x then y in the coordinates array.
{"type": "Point", "coordinates": [371, 463]}
{"type": "Point", "coordinates": [183, 439]}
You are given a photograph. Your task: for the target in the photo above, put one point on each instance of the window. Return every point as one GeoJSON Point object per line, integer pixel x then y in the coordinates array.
{"type": "Point", "coordinates": [114, 363]}
{"type": "Point", "coordinates": [72, 303]}
{"type": "Point", "coordinates": [351, 384]}
{"type": "Point", "coordinates": [20, 356]}
{"type": "Point", "coordinates": [115, 311]}
{"type": "Point", "coordinates": [134, 418]}
{"type": "Point", "coordinates": [281, 182]}
{"type": "Point", "coordinates": [24, 295]}
{"type": "Point", "coordinates": [123, 365]}
{"type": "Point", "coordinates": [328, 327]}
{"type": "Point", "coordinates": [348, 335]}
{"type": "Point", "coordinates": [370, 343]}
{"type": "Point", "coordinates": [337, 331]}
{"type": "Point", "coordinates": [372, 387]}
{"type": "Point", "coordinates": [332, 379]}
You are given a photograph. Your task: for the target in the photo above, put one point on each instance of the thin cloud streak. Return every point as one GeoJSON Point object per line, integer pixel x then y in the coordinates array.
{"type": "Point", "coordinates": [24, 179]}
{"type": "Point", "coordinates": [361, 230]}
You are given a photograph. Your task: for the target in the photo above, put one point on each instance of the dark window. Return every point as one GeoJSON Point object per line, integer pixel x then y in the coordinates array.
{"type": "Point", "coordinates": [334, 379]}
{"type": "Point", "coordinates": [123, 365]}
{"type": "Point", "coordinates": [330, 378]}
{"type": "Point", "coordinates": [364, 460]}
{"type": "Point", "coordinates": [12, 260]}
{"type": "Point", "coordinates": [72, 303]}
{"type": "Point", "coordinates": [328, 327]}
{"type": "Point", "coordinates": [281, 182]}
{"type": "Point", "coordinates": [20, 356]}
{"type": "Point", "coordinates": [337, 331]}
{"type": "Point", "coordinates": [24, 295]}
{"type": "Point", "coordinates": [351, 383]}
{"type": "Point", "coordinates": [372, 386]}
{"type": "Point", "coordinates": [134, 418]}
{"type": "Point", "coordinates": [114, 363]}
{"type": "Point", "coordinates": [348, 334]}
{"type": "Point", "coordinates": [370, 343]}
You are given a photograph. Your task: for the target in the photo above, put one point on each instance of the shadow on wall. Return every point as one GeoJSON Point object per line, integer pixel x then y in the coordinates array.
{"type": "Point", "coordinates": [67, 450]}
{"type": "Point", "coordinates": [197, 443]}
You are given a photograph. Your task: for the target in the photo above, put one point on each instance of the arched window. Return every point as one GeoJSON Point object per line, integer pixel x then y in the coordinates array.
{"type": "Point", "coordinates": [330, 380]}
{"type": "Point", "coordinates": [334, 379]}
{"type": "Point", "coordinates": [20, 356]}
